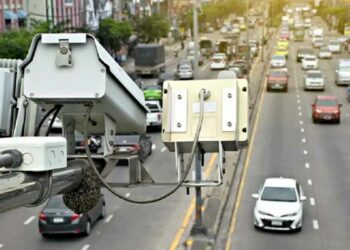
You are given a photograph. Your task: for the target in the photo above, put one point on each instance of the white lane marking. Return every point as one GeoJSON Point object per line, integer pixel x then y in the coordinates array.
{"type": "Point", "coordinates": [301, 122]}
{"type": "Point", "coordinates": [309, 182]}
{"type": "Point", "coordinates": [127, 195]}
{"type": "Point", "coordinates": [302, 130]}
{"type": "Point", "coordinates": [154, 146]}
{"type": "Point", "coordinates": [206, 66]}
{"type": "Point", "coordinates": [305, 152]}
{"type": "Point", "coordinates": [347, 115]}
{"type": "Point", "coordinates": [303, 140]}
{"type": "Point", "coordinates": [29, 220]}
{"type": "Point", "coordinates": [163, 149]}
{"type": "Point", "coordinates": [299, 108]}
{"type": "Point", "coordinates": [315, 224]}
{"type": "Point", "coordinates": [300, 114]}
{"type": "Point", "coordinates": [312, 201]}
{"type": "Point", "coordinates": [109, 218]}
{"type": "Point", "coordinates": [298, 96]}
{"type": "Point", "coordinates": [307, 165]}
{"type": "Point", "coordinates": [298, 101]}
{"type": "Point", "coordinates": [86, 247]}
{"type": "Point", "coordinates": [1, 245]}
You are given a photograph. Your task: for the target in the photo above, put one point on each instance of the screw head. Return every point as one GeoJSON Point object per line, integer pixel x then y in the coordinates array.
{"type": "Point", "coordinates": [27, 70]}
{"type": "Point", "coordinates": [179, 125]}
{"type": "Point", "coordinates": [179, 97]}
{"type": "Point", "coordinates": [31, 94]}
{"type": "Point", "coordinates": [103, 70]}
{"type": "Point", "coordinates": [229, 95]}
{"type": "Point", "coordinates": [97, 95]}
{"type": "Point", "coordinates": [229, 124]}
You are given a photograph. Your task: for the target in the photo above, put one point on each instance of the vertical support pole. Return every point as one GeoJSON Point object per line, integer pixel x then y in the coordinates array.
{"type": "Point", "coordinates": [262, 39]}
{"type": "Point", "coordinates": [198, 227]}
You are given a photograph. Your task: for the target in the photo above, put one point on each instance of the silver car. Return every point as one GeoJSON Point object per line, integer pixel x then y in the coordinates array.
{"type": "Point", "coordinates": [314, 79]}
{"type": "Point", "coordinates": [185, 72]}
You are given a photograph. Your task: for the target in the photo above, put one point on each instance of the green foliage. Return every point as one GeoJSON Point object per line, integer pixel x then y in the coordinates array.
{"type": "Point", "coordinates": [113, 34]}
{"type": "Point", "coordinates": [15, 44]}
{"type": "Point", "coordinates": [152, 28]}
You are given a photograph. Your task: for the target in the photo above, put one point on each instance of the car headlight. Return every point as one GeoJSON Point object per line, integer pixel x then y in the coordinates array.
{"type": "Point", "coordinates": [290, 215]}
{"type": "Point", "coordinates": [264, 213]}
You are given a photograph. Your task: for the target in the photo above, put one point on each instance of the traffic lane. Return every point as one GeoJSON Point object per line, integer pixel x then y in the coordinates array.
{"type": "Point", "coordinates": [328, 159]}
{"type": "Point", "coordinates": [276, 152]}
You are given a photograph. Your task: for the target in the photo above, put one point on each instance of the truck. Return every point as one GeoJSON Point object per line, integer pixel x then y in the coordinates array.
{"type": "Point", "coordinates": [149, 59]}
{"type": "Point", "coordinates": [154, 116]}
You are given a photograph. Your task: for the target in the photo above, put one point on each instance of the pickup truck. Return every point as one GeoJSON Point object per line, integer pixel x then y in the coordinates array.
{"type": "Point", "coordinates": [154, 116]}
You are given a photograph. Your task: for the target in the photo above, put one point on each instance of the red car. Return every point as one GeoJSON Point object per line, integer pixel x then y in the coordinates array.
{"type": "Point", "coordinates": [284, 35]}
{"type": "Point", "coordinates": [277, 79]}
{"type": "Point", "coordinates": [326, 108]}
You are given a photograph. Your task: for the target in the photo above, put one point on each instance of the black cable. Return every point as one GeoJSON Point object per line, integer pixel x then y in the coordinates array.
{"type": "Point", "coordinates": [187, 169]}
{"type": "Point", "coordinates": [53, 120]}
{"type": "Point", "coordinates": [37, 129]}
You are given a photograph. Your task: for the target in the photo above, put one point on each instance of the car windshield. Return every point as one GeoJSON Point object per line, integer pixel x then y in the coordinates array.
{"type": "Point", "coordinates": [324, 49]}
{"type": "Point", "coordinates": [309, 59]}
{"type": "Point", "coordinates": [326, 102]}
{"type": "Point", "coordinates": [314, 75]}
{"type": "Point", "coordinates": [278, 73]}
{"type": "Point", "coordinates": [127, 139]}
{"type": "Point", "coordinates": [185, 67]}
{"type": "Point", "coordinates": [154, 87]}
{"type": "Point", "coordinates": [152, 106]}
{"type": "Point", "coordinates": [334, 43]}
{"type": "Point", "coordinates": [279, 194]}
{"type": "Point", "coordinates": [278, 58]}
{"type": "Point", "coordinates": [55, 202]}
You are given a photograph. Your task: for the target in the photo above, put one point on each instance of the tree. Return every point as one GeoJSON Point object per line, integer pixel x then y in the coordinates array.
{"type": "Point", "coordinates": [113, 34]}
{"type": "Point", "coordinates": [152, 28]}
{"type": "Point", "coordinates": [15, 44]}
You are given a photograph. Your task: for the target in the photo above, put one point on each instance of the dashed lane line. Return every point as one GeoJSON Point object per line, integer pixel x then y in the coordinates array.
{"type": "Point", "coordinates": [299, 108]}
{"type": "Point", "coordinates": [109, 218]}
{"type": "Point", "coordinates": [315, 224]}
{"type": "Point", "coordinates": [303, 140]}
{"type": "Point", "coordinates": [307, 165]}
{"type": "Point", "coordinates": [206, 66]}
{"type": "Point", "coordinates": [127, 195]}
{"type": "Point", "coordinates": [305, 152]}
{"type": "Point", "coordinates": [300, 114]}
{"type": "Point", "coordinates": [301, 122]}
{"type": "Point", "coordinates": [163, 149]}
{"type": "Point", "coordinates": [312, 201]}
{"type": "Point", "coordinates": [302, 130]}
{"type": "Point", "coordinates": [29, 220]}
{"type": "Point", "coordinates": [154, 146]}
{"type": "Point", "coordinates": [1, 245]}
{"type": "Point", "coordinates": [86, 247]}
{"type": "Point", "coordinates": [309, 182]}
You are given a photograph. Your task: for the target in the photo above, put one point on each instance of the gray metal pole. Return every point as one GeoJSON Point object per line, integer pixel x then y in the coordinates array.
{"type": "Point", "coordinates": [198, 227]}
{"type": "Point", "coordinates": [195, 37]}
{"type": "Point", "coordinates": [18, 189]}
{"type": "Point", "coordinates": [262, 39]}
{"type": "Point", "coordinates": [247, 37]}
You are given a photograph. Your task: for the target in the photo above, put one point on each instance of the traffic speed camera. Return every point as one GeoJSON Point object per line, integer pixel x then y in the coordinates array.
{"type": "Point", "coordinates": [225, 115]}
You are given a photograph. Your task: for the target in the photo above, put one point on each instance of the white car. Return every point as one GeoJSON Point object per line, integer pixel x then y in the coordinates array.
{"type": "Point", "coordinates": [227, 74]}
{"type": "Point", "coordinates": [318, 43]}
{"type": "Point", "coordinates": [223, 30]}
{"type": "Point", "coordinates": [334, 46]}
{"type": "Point", "coordinates": [307, 23]}
{"type": "Point", "coordinates": [279, 205]}
{"type": "Point", "coordinates": [309, 62]}
{"type": "Point", "coordinates": [278, 61]}
{"type": "Point", "coordinates": [154, 116]}
{"type": "Point", "coordinates": [314, 79]}
{"type": "Point", "coordinates": [219, 61]}
{"type": "Point", "coordinates": [324, 53]}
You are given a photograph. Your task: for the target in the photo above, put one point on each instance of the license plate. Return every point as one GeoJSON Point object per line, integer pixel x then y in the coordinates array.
{"type": "Point", "coordinates": [327, 117]}
{"type": "Point", "coordinates": [146, 72]}
{"type": "Point", "coordinates": [276, 223]}
{"type": "Point", "coordinates": [123, 149]}
{"type": "Point", "coordinates": [58, 220]}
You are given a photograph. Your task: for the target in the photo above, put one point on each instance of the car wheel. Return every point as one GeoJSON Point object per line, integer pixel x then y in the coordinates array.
{"type": "Point", "coordinates": [87, 230]}
{"type": "Point", "coordinates": [45, 235]}
{"type": "Point", "coordinates": [103, 211]}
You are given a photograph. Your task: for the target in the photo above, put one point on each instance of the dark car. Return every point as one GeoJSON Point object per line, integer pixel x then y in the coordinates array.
{"type": "Point", "coordinates": [242, 64]}
{"type": "Point", "coordinates": [326, 108]}
{"type": "Point", "coordinates": [94, 143]}
{"type": "Point", "coordinates": [133, 144]}
{"type": "Point", "coordinates": [277, 79]}
{"type": "Point", "coordinates": [56, 218]}
{"type": "Point", "coordinates": [165, 77]}
{"type": "Point", "coordinates": [301, 53]}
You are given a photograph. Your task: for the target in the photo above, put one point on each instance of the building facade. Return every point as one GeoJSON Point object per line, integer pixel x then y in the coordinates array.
{"type": "Point", "coordinates": [12, 15]}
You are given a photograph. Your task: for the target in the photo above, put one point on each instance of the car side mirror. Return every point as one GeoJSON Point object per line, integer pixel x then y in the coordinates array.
{"type": "Point", "coordinates": [255, 196]}
{"type": "Point", "coordinates": [303, 198]}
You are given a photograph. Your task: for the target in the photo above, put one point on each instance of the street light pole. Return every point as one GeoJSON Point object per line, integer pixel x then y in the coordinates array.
{"type": "Point", "coordinates": [195, 36]}
{"type": "Point", "coordinates": [247, 37]}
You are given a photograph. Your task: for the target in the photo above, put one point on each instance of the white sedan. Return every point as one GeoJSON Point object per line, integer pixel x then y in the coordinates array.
{"type": "Point", "coordinates": [309, 62]}
{"type": "Point", "coordinates": [278, 61]}
{"type": "Point", "coordinates": [325, 53]}
{"type": "Point", "coordinates": [279, 205]}
{"type": "Point", "coordinates": [219, 61]}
